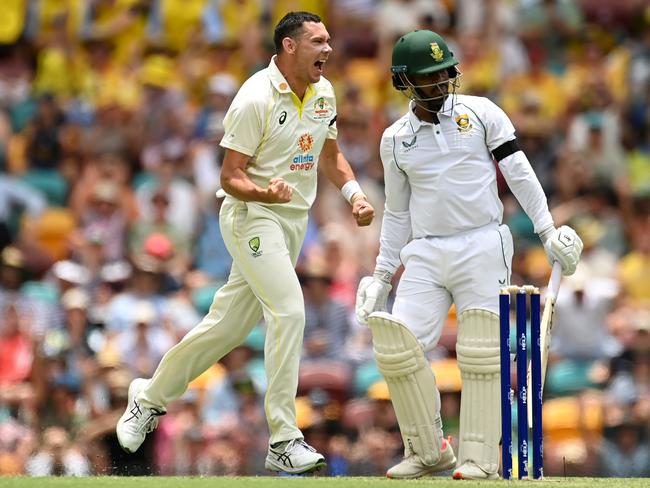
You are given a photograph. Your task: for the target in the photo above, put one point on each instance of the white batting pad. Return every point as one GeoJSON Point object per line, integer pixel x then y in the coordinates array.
{"type": "Point", "coordinates": [477, 351]}
{"type": "Point", "coordinates": [411, 383]}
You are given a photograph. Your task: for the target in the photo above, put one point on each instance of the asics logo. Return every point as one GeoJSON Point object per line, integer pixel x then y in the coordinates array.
{"type": "Point", "coordinates": [283, 117]}
{"type": "Point", "coordinates": [135, 412]}
{"type": "Point", "coordinates": [149, 424]}
{"type": "Point", "coordinates": [283, 457]}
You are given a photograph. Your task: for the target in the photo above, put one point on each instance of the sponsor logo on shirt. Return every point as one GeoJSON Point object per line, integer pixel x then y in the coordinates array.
{"type": "Point", "coordinates": [306, 142]}
{"type": "Point", "coordinates": [463, 123]}
{"type": "Point", "coordinates": [410, 145]}
{"type": "Point", "coordinates": [302, 162]}
{"type": "Point", "coordinates": [322, 109]}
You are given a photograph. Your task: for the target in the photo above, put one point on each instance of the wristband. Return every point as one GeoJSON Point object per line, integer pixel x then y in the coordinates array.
{"type": "Point", "coordinates": [383, 275]}
{"type": "Point", "coordinates": [546, 233]}
{"type": "Point", "coordinates": [358, 196]}
{"type": "Point", "coordinates": [350, 189]}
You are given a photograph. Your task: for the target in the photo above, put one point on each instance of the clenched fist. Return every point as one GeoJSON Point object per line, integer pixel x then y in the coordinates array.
{"type": "Point", "coordinates": [278, 191]}
{"type": "Point", "coordinates": [363, 212]}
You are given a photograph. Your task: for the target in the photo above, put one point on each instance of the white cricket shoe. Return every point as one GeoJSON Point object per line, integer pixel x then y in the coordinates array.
{"type": "Point", "coordinates": [295, 456]}
{"type": "Point", "coordinates": [136, 421]}
{"type": "Point", "coordinates": [469, 470]}
{"type": "Point", "coordinates": [413, 467]}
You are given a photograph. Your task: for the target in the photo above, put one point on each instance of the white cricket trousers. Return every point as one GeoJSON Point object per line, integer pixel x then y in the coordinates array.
{"type": "Point", "coordinates": [467, 268]}
{"type": "Point", "coordinates": [264, 244]}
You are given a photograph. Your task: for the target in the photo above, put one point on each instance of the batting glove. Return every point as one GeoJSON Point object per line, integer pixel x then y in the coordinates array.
{"type": "Point", "coordinates": [562, 245]}
{"type": "Point", "coordinates": [372, 294]}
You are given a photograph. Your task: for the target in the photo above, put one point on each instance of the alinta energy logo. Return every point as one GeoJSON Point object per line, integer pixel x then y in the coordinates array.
{"type": "Point", "coordinates": [304, 161]}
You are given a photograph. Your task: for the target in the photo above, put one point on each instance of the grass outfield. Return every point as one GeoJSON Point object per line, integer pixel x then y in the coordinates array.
{"type": "Point", "coordinates": [275, 482]}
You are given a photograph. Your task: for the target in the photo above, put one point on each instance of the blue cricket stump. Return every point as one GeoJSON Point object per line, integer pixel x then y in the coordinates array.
{"type": "Point", "coordinates": [523, 396]}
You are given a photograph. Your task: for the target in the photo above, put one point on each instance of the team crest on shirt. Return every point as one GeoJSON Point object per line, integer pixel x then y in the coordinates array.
{"type": "Point", "coordinates": [322, 109]}
{"type": "Point", "coordinates": [463, 123]}
{"type": "Point", "coordinates": [254, 244]}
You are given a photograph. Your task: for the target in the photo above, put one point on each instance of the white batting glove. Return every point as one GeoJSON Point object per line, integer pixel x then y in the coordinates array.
{"type": "Point", "coordinates": [562, 245]}
{"type": "Point", "coordinates": [372, 294]}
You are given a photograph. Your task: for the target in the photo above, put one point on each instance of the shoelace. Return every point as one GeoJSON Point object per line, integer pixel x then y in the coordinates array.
{"type": "Point", "coordinates": [152, 421]}
{"type": "Point", "coordinates": [148, 425]}
{"type": "Point", "coordinates": [297, 443]}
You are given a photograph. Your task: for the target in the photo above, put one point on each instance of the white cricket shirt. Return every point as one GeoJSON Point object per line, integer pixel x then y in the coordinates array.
{"type": "Point", "coordinates": [282, 134]}
{"type": "Point", "coordinates": [440, 179]}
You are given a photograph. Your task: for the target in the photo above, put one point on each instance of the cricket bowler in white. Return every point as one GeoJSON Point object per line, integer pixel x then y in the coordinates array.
{"type": "Point", "coordinates": [442, 221]}
{"type": "Point", "coordinates": [280, 128]}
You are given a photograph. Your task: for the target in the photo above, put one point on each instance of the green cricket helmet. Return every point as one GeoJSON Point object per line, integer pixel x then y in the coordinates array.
{"type": "Point", "coordinates": [421, 52]}
{"type": "Point", "coordinates": [424, 52]}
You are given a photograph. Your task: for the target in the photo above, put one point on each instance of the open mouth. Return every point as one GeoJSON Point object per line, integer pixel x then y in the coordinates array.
{"type": "Point", "coordinates": [319, 65]}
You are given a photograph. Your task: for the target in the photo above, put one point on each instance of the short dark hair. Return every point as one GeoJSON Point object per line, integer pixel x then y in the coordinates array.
{"type": "Point", "coordinates": [290, 26]}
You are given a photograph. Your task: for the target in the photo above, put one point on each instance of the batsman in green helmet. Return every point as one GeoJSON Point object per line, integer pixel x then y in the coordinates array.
{"type": "Point", "coordinates": [443, 221]}
{"type": "Point", "coordinates": [425, 69]}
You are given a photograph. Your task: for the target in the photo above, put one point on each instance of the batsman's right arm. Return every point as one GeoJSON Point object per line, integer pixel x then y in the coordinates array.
{"type": "Point", "coordinates": [396, 223]}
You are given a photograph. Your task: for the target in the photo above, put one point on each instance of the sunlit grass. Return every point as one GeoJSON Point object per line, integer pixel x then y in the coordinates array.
{"type": "Point", "coordinates": [302, 482]}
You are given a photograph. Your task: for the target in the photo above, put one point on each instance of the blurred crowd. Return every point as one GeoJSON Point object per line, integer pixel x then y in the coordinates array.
{"type": "Point", "coordinates": [110, 116]}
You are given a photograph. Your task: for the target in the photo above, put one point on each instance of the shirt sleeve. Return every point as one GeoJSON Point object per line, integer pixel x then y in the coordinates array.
{"type": "Point", "coordinates": [396, 224]}
{"type": "Point", "coordinates": [526, 188]}
{"type": "Point", "coordinates": [498, 127]}
{"type": "Point", "coordinates": [516, 168]}
{"type": "Point", "coordinates": [332, 130]}
{"type": "Point", "coordinates": [244, 124]}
